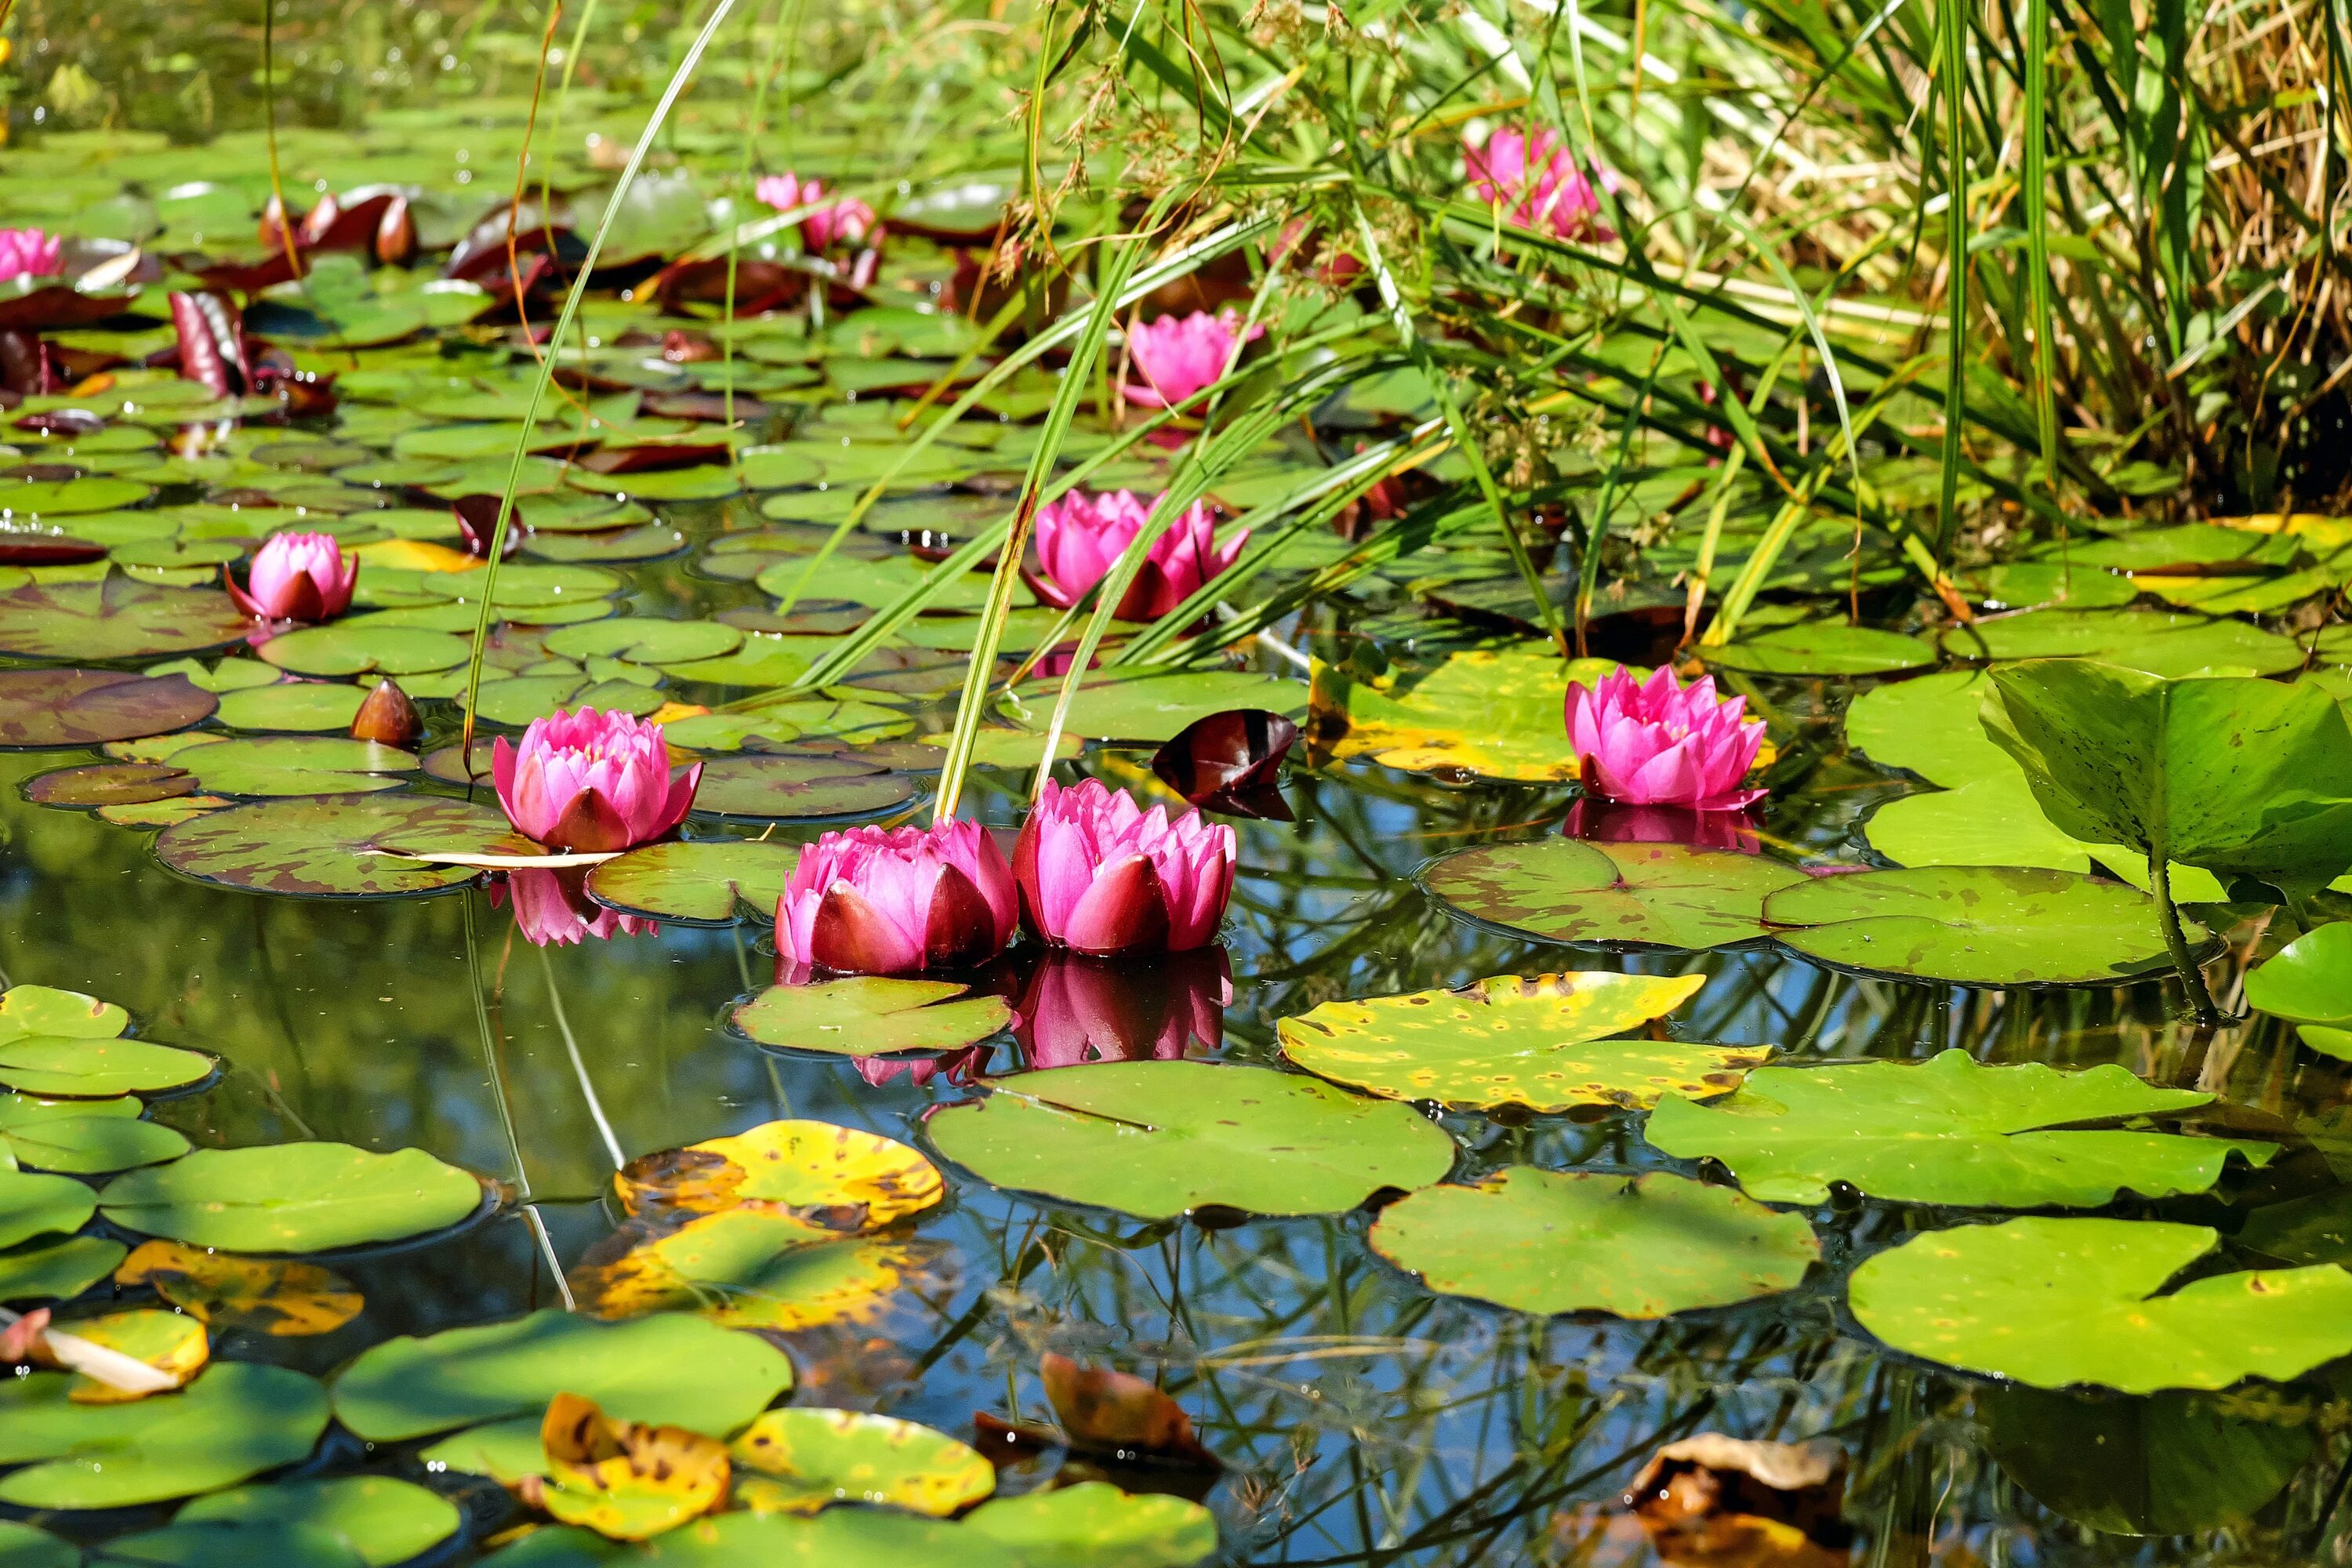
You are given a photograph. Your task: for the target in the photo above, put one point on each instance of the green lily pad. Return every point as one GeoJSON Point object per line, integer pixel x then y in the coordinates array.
{"type": "Point", "coordinates": [326, 848]}
{"type": "Point", "coordinates": [2157, 641]}
{"type": "Point", "coordinates": [82, 1068]}
{"type": "Point", "coordinates": [644, 639]}
{"type": "Point", "coordinates": [292, 1197]}
{"type": "Point", "coordinates": [1507, 1041]}
{"type": "Point", "coordinates": [1157, 1139]}
{"type": "Point", "coordinates": [799, 1461]}
{"type": "Point", "coordinates": [117, 617]}
{"type": "Point", "coordinates": [1821, 648]}
{"type": "Point", "coordinates": [868, 1016]}
{"type": "Point", "coordinates": [22, 1546]}
{"type": "Point", "coordinates": [45, 1010]}
{"type": "Point", "coordinates": [1950, 1131]}
{"type": "Point", "coordinates": [1575, 1241]}
{"type": "Point", "coordinates": [69, 497]}
{"type": "Point", "coordinates": [1975, 925]}
{"type": "Point", "coordinates": [2059, 1302]}
{"type": "Point", "coordinates": [1990, 821]}
{"type": "Point", "coordinates": [361, 647]}
{"type": "Point", "coordinates": [236, 1420]}
{"type": "Point", "coordinates": [786, 788]}
{"type": "Point", "coordinates": [2170, 1464]}
{"type": "Point", "coordinates": [2030, 585]}
{"type": "Point", "coordinates": [84, 1137]}
{"type": "Point", "coordinates": [234, 1545]}
{"type": "Point", "coordinates": [846, 719]}
{"type": "Point", "coordinates": [697, 883]}
{"type": "Point", "coordinates": [33, 1206]}
{"type": "Point", "coordinates": [506, 1451]}
{"type": "Point", "coordinates": [518, 700]}
{"type": "Point", "coordinates": [1154, 706]}
{"type": "Point", "coordinates": [1929, 726]}
{"type": "Point", "coordinates": [2309, 980]}
{"type": "Point", "coordinates": [762, 660]}
{"type": "Point", "coordinates": [1564, 890]}
{"type": "Point", "coordinates": [57, 1270]}
{"type": "Point", "coordinates": [1095, 1523]}
{"type": "Point", "coordinates": [668, 1369]}
{"type": "Point", "coordinates": [296, 706]}
{"type": "Point", "coordinates": [297, 765]}
{"type": "Point", "coordinates": [646, 542]}
{"type": "Point", "coordinates": [385, 1520]}
{"type": "Point", "coordinates": [42, 708]}
{"type": "Point", "coordinates": [1493, 711]}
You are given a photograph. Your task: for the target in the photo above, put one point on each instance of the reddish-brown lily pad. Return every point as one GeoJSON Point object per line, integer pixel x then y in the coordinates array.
{"type": "Point", "coordinates": [110, 783]}
{"type": "Point", "coordinates": [327, 849]}
{"type": "Point", "coordinates": [119, 618]}
{"type": "Point", "coordinates": [91, 706]}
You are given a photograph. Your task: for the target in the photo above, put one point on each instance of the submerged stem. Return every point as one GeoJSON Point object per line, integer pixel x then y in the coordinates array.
{"type": "Point", "coordinates": [2192, 978]}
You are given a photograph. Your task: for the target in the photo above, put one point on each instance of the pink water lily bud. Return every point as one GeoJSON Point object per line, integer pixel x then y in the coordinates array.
{"type": "Point", "coordinates": [297, 577]}
{"type": "Point", "coordinates": [1098, 874]}
{"type": "Point", "coordinates": [1078, 1009]}
{"type": "Point", "coordinates": [1662, 744]}
{"type": "Point", "coordinates": [866, 901]}
{"type": "Point", "coordinates": [1177, 355]}
{"type": "Point", "coordinates": [844, 219]}
{"type": "Point", "coordinates": [1536, 184]}
{"type": "Point", "coordinates": [1081, 536]}
{"type": "Point", "coordinates": [29, 253]}
{"type": "Point", "coordinates": [551, 906]}
{"type": "Point", "coordinates": [591, 783]}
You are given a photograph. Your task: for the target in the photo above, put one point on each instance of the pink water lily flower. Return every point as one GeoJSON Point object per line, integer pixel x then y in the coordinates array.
{"type": "Point", "coordinates": [1098, 874]}
{"type": "Point", "coordinates": [591, 783]}
{"type": "Point", "coordinates": [29, 253]}
{"type": "Point", "coordinates": [1083, 534]}
{"type": "Point", "coordinates": [551, 906]}
{"type": "Point", "coordinates": [844, 219]}
{"type": "Point", "coordinates": [1177, 355]}
{"type": "Point", "coordinates": [1661, 743]}
{"type": "Point", "coordinates": [297, 577]}
{"type": "Point", "coordinates": [866, 901]}
{"type": "Point", "coordinates": [1535, 183]}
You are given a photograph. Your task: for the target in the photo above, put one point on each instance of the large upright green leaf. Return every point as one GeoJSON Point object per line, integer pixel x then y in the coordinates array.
{"type": "Point", "coordinates": [1949, 1131]}
{"type": "Point", "coordinates": [2239, 776]}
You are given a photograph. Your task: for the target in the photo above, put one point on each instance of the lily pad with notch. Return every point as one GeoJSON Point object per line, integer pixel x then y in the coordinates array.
{"type": "Point", "coordinates": [775, 788]}
{"type": "Point", "coordinates": [108, 783]}
{"type": "Point", "coordinates": [84, 1137]}
{"type": "Point", "coordinates": [801, 1460]}
{"type": "Point", "coordinates": [1535, 1042]}
{"type": "Point", "coordinates": [292, 1197]}
{"type": "Point", "coordinates": [117, 617]}
{"type": "Point", "coordinates": [2159, 642]}
{"type": "Point", "coordinates": [1951, 1131]}
{"type": "Point", "coordinates": [753, 1267]}
{"type": "Point", "coordinates": [1160, 1139]}
{"type": "Point", "coordinates": [234, 1421]}
{"type": "Point", "coordinates": [1660, 895]}
{"type": "Point", "coordinates": [1576, 1241]}
{"type": "Point", "coordinates": [362, 646]}
{"type": "Point", "coordinates": [45, 708]}
{"type": "Point", "coordinates": [384, 1519]}
{"type": "Point", "coordinates": [835, 1180]}
{"type": "Point", "coordinates": [2055, 1303]}
{"type": "Point", "coordinates": [645, 639]}
{"type": "Point", "coordinates": [1821, 648]}
{"type": "Point", "coordinates": [269, 765]}
{"type": "Point", "coordinates": [33, 1206]}
{"type": "Point", "coordinates": [1976, 925]}
{"type": "Point", "coordinates": [327, 849]}
{"type": "Point", "coordinates": [870, 1014]}
{"type": "Point", "coordinates": [696, 883]}
{"type": "Point", "coordinates": [295, 706]}
{"type": "Point", "coordinates": [65, 1067]}
{"type": "Point", "coordinates": [56, 1271]}
{"type": "Point", "coordinates": [1154, 708]}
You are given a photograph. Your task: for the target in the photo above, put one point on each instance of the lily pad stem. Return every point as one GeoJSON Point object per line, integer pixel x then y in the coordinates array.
{"type": "Point", "coordinates": [2192, 978]}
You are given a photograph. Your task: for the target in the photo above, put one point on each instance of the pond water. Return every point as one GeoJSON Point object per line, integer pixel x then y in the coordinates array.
{"type": "Point", "coordinates": [1362, 1396]}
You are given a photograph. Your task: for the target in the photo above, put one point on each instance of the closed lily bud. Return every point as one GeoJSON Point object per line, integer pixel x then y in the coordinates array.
{"type": "Point", "coordinates": [395, 234]}
{"type": "Point", "coordinates": [387, 716]}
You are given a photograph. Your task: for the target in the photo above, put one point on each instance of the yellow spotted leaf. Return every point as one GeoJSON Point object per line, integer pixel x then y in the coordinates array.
{"type": "Point", "coordinates": [415, 555]}
{"type": "Point", "coordinates": [1494, 711]}
{"type": "Point", "coordinates": [257, 1295]}
{"type": "Point", "coordinates": [1535, 1042]}
{"type": "Point", "coordinates": [834, 1179]}
{"type": "Point", "coordinates": [745, 1267]}
{"type": "Point", "coordinates": [172, 1343]}
{"type": "Point", "coordinates": [799, 1460]}
{"type": "Point", "coordinates": [625, 1479]}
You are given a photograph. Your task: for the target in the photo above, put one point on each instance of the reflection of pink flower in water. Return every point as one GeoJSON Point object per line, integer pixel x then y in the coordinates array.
{"type": "Point", "coordinates": [866, 901]}
{"type": "Point", "coordinates": [553, 906]}
{"type": "Point", "coordinates": [1535, 183]}
{"type": "Point", "coordinates": [959, 1067]}
{"type": "Point", "coordinates": [27, 253]}
{"type": "Point", "coordinates": [1662, 744]}
{"type": "Point", "coordinates": [1610, 822]}
{"type": "Point", "coordinates": [1177, 355]}
{"type": "Point", "coordinates": [1077, 1009]}
{"type": "Point", "coordinates": [1082, 535]}
{"type": "Point", "coordinates": [844, 219]}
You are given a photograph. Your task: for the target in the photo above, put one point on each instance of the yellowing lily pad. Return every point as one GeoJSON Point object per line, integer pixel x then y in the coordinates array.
{"type": "Point", "coordinates": [744, 1267]}
{"type": "Point", "coordinates": [1533, 1042]}
{"type": "Point", "coordinates": [799, 1461]}
{"type": "Point", "coordinates": [1496, 711]}
{"type": "Point", "coordinates": [836, 1179]}
{"type": "Point", "coordinates": [175, 1345]}
{"type": "Point", "coordinates": [257, 1295]}
{"type": "Point", "coordinates": [626, 1481]}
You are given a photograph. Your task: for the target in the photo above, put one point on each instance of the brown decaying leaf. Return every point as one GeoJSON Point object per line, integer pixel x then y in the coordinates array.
{"type": "Point", "coordinates": [1720, 1502]}
{"type": "Point", "coordinates": [625, 1479]}
{"type": "Point", "coordinates": [272, 1295]}
{"type": "Point", "coordinates": [1118, 1413]}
